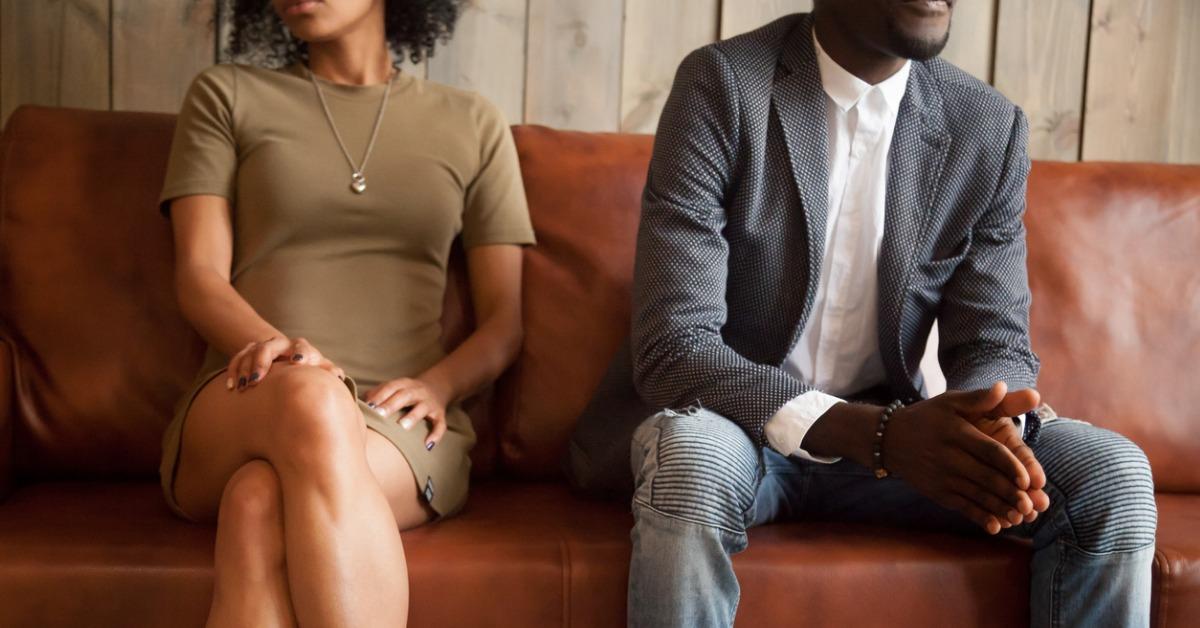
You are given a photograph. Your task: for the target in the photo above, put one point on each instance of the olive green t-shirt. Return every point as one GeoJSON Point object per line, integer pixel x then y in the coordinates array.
{"type": "Point", "coordinates": [361, 276]}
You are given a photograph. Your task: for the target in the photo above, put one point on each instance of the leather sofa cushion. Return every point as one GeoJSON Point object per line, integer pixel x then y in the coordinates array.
{"type": "Point", "coordinates": [1177, 561]}
{"type": "Point", "coordinates": [520, 555]}
{"type": "Point", "coordinates": [1116, 298]}
{"type": "Point", "coordinates": [584, 192]}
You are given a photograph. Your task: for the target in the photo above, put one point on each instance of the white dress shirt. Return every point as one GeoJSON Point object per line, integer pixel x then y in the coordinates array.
{"type": "Point", "coordinates": [838, 351]}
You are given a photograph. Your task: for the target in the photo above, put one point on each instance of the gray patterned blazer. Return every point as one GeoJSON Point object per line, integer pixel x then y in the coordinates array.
{"type": "Point", "coordinates": [733, 218]}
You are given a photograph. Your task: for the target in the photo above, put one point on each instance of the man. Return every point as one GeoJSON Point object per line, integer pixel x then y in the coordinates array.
{"type": "Point", "coordinates": [821, 190]}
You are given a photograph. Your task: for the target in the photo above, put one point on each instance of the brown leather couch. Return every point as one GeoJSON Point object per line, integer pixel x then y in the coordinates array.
{"type": "Point", "coordinates": [94, 352]}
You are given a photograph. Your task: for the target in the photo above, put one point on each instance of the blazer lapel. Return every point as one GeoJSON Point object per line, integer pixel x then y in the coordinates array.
{"type": "Point", "coordinates": [798, 101]}
{"type": "Point", "coordinates": [919, 147]}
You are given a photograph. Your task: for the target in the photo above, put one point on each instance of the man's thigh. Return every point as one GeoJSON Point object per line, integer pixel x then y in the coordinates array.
{"type": "Point", "coordinates": [794, 489]}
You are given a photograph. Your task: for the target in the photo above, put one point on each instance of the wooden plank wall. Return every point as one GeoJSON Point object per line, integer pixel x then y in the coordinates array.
{"type": "Point", "coordinates": [1099, 79]}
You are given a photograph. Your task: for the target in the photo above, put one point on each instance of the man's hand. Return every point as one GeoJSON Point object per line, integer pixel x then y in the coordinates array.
{"type": "Point", "coordinates": [998, 425]}
{"type": "Point", "coordinates": [962, 450]}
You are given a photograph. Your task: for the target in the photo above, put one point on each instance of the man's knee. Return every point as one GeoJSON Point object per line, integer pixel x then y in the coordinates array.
{"type": "Point", "coordinates": [696, 466]}
{"type": "Point", "coordinates": [1109, 491]}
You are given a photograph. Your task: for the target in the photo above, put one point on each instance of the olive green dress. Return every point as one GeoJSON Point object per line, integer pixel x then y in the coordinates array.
{"type": "Point", "coordinates": [361, 276]}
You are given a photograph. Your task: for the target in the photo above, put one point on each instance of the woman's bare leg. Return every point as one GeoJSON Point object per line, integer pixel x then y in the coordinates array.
{"type": "Point", "coordinates": [345, 562]}
{"type": "Point", "coordinates": [396, 479]}
{"type": "Point", "coordinates": [251, 586]}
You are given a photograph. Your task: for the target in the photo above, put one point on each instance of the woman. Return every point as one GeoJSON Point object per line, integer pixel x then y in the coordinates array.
{"type": "Point", "coordinates": [313, 207]}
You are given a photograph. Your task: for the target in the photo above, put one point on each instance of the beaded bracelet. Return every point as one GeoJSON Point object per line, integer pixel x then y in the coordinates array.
{"type": "Point", "coordinates": [877, 458]}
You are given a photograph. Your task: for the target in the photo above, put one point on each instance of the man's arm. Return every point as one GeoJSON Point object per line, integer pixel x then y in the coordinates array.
{"type": "Point", "coordinates": [682, 258]}
{"type": "Point", "coordinates": [984, 320]}
{"type": "Point", "coordinates": [937, 445]}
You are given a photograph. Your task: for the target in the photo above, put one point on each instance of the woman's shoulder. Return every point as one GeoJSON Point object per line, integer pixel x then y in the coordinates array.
{"type": "Point", "coordinates": [229, 77]}
{"type": "Point", "coordinates": [218, 78]}
{"type": "Point", "coordinates": [456, 101]}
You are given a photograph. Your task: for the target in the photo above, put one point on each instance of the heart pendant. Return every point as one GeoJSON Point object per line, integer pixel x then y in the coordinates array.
{"type": "Point", "coordinates": [358, 183]}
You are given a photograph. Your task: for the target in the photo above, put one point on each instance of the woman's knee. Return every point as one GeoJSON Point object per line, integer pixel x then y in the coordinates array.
{"type": "Point", "coordinates": [316, 421]}
{"type": "Point", "coordinates": [251, 510]}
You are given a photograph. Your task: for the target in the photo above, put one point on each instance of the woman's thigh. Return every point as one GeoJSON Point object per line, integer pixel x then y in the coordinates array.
{"type": "Point", "coordinates": [398, 482]}
{"type": "Point", "coordinates": [224, 429]}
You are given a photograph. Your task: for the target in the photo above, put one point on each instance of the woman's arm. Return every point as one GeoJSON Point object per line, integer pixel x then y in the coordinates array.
{"type": "Point", "coordinates": [495, 276]}
{"type": "Point", "coordinates": [203, 257]}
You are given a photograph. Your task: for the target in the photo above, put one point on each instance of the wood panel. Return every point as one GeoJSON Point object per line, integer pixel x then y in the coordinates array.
{"type": "Point", "coordinates": [145, 76]}
{"type": "Point", "coordinates": [1143, 81]}
{"type": "Point", "coordinates": [972, 30]}
{"type": "Point", "coordinates": [573, 71]}
{"type": "Point", "coordinates": [658, 35]}
{"type": "Point", "coordinates": [487, 54]}
{"type": "Point", "coordinates": [1040, 62]}
{"type": "Point", "coordinates": [739, 16]}
{"type": "Point", "coordinates": [54, 52]}
{"type": "Point", "coordinates": [1101, 79]}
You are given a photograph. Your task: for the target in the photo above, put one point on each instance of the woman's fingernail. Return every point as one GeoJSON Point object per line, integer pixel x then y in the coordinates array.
{"type": "Point", "coordinates": [254, 376]}
{"type": "Point", "coordinates": [229, 383]}
{"type": "Point", "coordinates": [370, 405]}
{"type": "Point", "coordinates": [429, 446]}
{"type": "Point", "coordinates": [242, 382]}
{"type": "Point", "coordinates": [296, 357]}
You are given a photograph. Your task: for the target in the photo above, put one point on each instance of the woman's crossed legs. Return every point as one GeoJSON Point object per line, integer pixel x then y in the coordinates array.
{"type": "Point", "coordinates": [309, 503]}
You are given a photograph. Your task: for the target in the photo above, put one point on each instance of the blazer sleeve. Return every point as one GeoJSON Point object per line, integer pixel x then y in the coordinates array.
{"type": "Point", "coordinates": [681, 269]}
{"type": "Point", "coordinates": [984, 319]}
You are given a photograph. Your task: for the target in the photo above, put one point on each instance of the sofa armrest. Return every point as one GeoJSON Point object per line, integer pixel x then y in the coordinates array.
{"type": "Point", "coordinates": [8, 376]}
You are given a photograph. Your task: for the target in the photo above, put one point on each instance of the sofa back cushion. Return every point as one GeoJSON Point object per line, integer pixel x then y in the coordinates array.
{"type": "Point", "coordinates": [86, 294]}
{"type": "Point", "coordinates": [584, 193]}
{"type": "Point", "coordinates": [1115, 273]}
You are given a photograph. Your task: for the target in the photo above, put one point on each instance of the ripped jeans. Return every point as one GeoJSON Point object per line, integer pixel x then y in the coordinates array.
{"type": "Point", "coordinates": [701, 483]}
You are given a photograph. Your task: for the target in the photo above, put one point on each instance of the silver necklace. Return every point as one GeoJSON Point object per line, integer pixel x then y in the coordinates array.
{"type": "Point", "coordinates": [358, 182]}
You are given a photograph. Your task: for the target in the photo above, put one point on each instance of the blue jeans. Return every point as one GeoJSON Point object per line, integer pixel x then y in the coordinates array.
{"type": "Point", "coordinates": [701, 483]}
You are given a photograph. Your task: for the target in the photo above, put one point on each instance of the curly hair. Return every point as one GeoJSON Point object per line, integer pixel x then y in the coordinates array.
{"type": "Point", "coordinates": [257, 35]}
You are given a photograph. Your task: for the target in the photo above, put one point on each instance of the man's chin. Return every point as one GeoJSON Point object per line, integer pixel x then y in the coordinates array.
{"type": "Point", "coordinates": [918, 47]}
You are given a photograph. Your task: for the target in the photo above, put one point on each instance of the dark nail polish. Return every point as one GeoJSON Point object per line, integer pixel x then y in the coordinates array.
{"type": "Point", "coordinates": [297, 357]}
{"type": "Point", "coordinates": [254, 376]}
{"type": "Point", "coordinates": [370, 405]}
{"type": "Point", "coordinates": [429, 446]}
{"type": "Point", "coordinates": [242, 382]}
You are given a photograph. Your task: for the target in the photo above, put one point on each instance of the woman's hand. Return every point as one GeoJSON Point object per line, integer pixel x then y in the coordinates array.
{"type": "Point", "coordinates": [423, 400]}
{"type": "Point", "coordinates": [249, 366]}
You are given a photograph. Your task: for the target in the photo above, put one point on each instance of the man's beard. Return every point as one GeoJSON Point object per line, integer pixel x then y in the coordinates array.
{"type": "Point", "coordinates": [915, 48]}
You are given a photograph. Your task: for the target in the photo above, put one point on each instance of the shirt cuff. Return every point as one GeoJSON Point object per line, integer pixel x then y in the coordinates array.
{"type": "Point", "coordinates": [786, 429]}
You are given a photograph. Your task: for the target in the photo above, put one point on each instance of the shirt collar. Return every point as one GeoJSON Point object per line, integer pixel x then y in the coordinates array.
{"type": "Point", "coordinates": [846, 90]}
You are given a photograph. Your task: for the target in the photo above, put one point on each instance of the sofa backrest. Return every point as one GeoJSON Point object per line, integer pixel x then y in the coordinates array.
{"type": "Point", "coordinates": [1114, 261]}
{"type": "Point", "coordinates": [102, 353]}
{"type": "Point", "coordinates": [87, 304]}
{"type": "Point", "coordinates": [1113, 269]}
{"type": "Point", "coordinates": [584, 193]}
